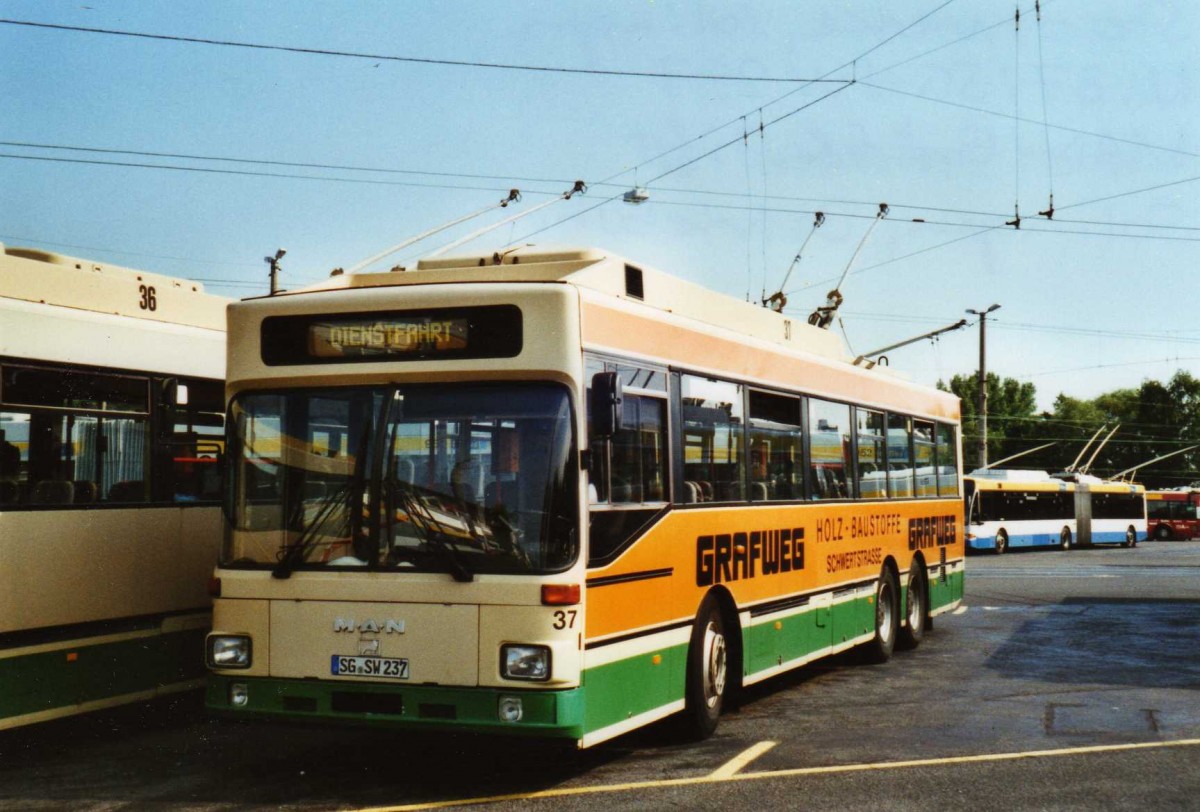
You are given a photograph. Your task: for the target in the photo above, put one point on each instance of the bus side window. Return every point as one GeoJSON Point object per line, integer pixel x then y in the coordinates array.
{"type": "Point", "coordinates": [197, 442]}
{"type": "Point", "coordinates": [829, 433]}
{"type": "Point", "coordinates": [713, 438]}
{"type": "Point", "coordinates": [639, 452]}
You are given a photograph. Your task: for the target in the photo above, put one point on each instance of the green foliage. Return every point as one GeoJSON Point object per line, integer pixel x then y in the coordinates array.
{"type": "Point", "coordinates": [1155, 419]}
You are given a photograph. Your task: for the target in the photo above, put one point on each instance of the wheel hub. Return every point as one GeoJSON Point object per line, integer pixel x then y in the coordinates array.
{"type": "Point", "coordinates": [714, 665]}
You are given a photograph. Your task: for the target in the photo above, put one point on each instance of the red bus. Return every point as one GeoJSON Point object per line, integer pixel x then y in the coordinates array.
{"type": "Point", "coordinates": [1172, 514]}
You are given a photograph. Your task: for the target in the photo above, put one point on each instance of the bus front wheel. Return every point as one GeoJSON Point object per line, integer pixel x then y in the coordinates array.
{"type": "Point", "coordinates": [1064, 539]}
{"type": "Point", "coordinates": [1162, 533]}
{"type": "Point", "coordinates": [916, 608]}
{"type": "Point", "coordinates": [707, 671]}
{"type": "Point", "coordinates": [887, 618]}
{"type": "Point", "coordinates": [1001, 542]}
{"type": "Point", "coordinates": [1130, 537]}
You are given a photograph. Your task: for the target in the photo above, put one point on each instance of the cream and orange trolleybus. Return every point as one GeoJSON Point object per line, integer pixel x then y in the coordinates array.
{"type": "Point", "coordinates": [553, 492]}
{"type": "Point", "coordinates": [111, 432]}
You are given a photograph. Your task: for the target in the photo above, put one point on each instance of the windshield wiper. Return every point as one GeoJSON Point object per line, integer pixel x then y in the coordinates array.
{"type": "Point", "coordinates": [294, 553]}
{"type": "Point", "coordinates": [424, 523]}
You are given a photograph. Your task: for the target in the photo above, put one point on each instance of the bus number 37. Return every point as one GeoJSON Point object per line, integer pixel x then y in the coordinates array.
{"type": "Point", "coordinates": [565, 619]}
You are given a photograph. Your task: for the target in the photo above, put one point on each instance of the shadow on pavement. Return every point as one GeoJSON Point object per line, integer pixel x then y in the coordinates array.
{"type": "Point", "coordinates": [1105, 641]}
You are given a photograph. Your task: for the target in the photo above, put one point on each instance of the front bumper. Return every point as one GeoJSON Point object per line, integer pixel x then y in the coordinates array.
{"type": "Point", "coordinates": [551, 714]}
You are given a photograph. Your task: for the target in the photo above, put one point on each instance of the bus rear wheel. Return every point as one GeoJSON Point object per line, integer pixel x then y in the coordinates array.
{"type": "Point", "coordinates": [1064, 538]}
{"type": "Point", "coordinates": [1162, 533]}
{"type": "Point", "coordinates": [916, 609]}
{"type": "Point", "coordinates": [707, 672]}
{"type": "Point", "coordinates": [1001, 542]}
{"type": "Point", "coordinates": [887, 619]}
{"type": "Point", "coordinates": [1130, 537]}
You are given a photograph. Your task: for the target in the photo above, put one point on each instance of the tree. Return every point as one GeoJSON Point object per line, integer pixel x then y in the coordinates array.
{"type": "Point", "coordinates": [1011, 406]}
{"type": "Point", "coordinates": [1154, 419]}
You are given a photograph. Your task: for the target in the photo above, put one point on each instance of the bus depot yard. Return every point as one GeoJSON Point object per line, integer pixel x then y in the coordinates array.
{"type": "Point", "coordinates": [1066, 679]}
{"type": "Point", "coordinates": [439, 531]}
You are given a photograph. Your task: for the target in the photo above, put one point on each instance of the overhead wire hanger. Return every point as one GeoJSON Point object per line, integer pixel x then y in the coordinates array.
{"type": "Point", "coordinates": [1049, 212]}
{"type": "Point", "coordinates": [1016, 221]}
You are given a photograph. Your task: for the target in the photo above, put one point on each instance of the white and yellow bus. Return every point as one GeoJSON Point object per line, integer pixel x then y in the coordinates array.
{"type": "Point", "coordinates": [559, 494]}
{"type": "Point", "coordinates": [1010, 509]}
{"type": "Point", "coordinates": [111, 429]}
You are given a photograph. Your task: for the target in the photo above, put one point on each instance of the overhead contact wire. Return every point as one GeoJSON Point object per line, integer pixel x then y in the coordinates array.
{"type": "Point", "coordinates": [259, 46]}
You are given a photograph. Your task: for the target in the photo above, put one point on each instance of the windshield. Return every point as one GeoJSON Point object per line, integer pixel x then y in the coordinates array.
{"type": "Point", "coordinates": [462, 479]}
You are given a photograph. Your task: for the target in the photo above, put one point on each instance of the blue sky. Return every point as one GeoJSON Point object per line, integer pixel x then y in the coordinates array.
{"type": "Point", "coordinates": [1101, 297]}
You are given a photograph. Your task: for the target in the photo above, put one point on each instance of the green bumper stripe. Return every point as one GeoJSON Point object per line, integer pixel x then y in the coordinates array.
{"type": "Point", "coordinates": [556, 714]}
{"type": "Point", "coordinates": [621, 690]}
{"type": "Point", "coordinates": [806, 633]}
{"type": "Point", "coordinates": [35, 683]}
{"type": "Point", "coordinates": [942, 593]}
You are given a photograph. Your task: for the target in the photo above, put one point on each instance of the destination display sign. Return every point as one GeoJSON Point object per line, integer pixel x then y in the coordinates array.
{"type": "Point", "coordinates": [386, 337]}
{"type": "Point", "coordinates": [490, 331]}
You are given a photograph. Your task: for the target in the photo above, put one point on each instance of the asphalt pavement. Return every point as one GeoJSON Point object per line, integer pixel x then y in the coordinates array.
{"type": "Point", "coordinates": [1068, 680]}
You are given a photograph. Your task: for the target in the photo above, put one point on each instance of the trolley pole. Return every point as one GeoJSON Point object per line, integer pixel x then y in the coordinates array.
{"type": "Point", "coordinates": [982, 314]}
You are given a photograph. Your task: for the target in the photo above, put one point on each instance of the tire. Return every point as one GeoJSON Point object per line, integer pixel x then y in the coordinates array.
{"type": "Point", "coordinates": [1162, 532]}
{"type": "Point", "coordinates": [1130, 537]}
{"type": "Point", "coordinates": [1064, 538]}
{"type": "Point", "coordinates": [887, 619]}
{"type": "Point", "coordinates": [1001, 542]}
{"type": "Point", "coordinates": [916, 609]}
{"type": "Point", "coordinates": [707, 672]}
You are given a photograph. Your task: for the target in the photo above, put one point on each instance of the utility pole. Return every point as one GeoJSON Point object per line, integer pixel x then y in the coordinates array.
{"type": "Point", "coordinates": [274, 263]}
{"type": "Point", "coordinates": [982, 314]}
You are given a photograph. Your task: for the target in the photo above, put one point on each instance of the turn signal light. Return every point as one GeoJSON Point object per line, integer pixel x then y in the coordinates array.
{"type": "Point", "coordinates": [560, 594]}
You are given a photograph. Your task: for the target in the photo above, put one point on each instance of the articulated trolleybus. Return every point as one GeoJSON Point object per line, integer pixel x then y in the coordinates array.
{"type": "Point", "coordinates": [111, 428]}
{"type": "Point", "coordinates": [554, 493]}
{"type": "Point", "coordinates": [1028, 509]}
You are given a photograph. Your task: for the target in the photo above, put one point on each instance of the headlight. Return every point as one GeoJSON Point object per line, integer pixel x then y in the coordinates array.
{"type": "Point", "coordinates": [525, 662]}
{"type": "Point", "coordinates": [228, 651]}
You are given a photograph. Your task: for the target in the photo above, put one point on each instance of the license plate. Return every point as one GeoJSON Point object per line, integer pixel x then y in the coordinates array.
{"type": "Point", "coordinates": [368, 667]}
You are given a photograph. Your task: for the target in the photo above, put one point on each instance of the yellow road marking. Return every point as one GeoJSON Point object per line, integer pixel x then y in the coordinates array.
{"type": "Point", "coordinates": [734, 765]}
{"type": "Point", "coordinates": [790, 773]}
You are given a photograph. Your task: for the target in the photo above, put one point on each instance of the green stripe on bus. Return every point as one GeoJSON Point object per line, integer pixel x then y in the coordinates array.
{"type": "Point", "coordinates": [73, 675]}
{"type": "Point", "coordinates": [807, 633]}
{"type": "Point", "coordinates": [626, 688]}
{"type": "Point", "coordinates": [945, 592]}
{"type": "Point", "coordinates": [397, 705]}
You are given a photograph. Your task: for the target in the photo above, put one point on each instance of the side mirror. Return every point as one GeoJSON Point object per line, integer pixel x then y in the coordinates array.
{"type": "Point", "coordinates": [608, 396]}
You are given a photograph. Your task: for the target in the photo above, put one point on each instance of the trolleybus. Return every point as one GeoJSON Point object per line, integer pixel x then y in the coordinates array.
{"type": "Point", "coordinates": [111, 429]}
{"type": "Point", "coordinates": [1171, 514]}
{"type": "Point", "coordinates": [1014, 509]}
{"type": "Point", "coordinates": [555, 493]}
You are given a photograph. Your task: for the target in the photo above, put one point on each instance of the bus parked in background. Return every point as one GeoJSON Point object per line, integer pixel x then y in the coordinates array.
{"type": "Point", "coordinates": [111, 434]}
{"type": "Point", "coordinates": [557, 494]}
{"type": "Point", "coordinates": [1172, 514]}
{"type": "Point", "coordinates": [1014, 508]}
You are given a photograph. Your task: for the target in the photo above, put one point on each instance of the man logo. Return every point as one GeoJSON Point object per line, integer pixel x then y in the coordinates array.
{"type": "Point", "coordinates": [342, 624]}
